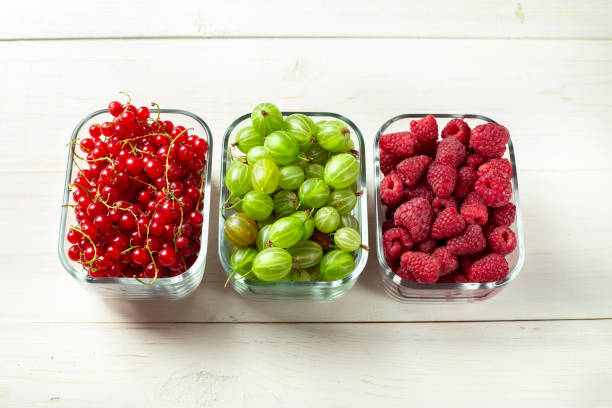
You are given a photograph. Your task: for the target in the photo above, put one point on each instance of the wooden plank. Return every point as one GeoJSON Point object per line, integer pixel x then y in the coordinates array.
{"type": "Point", "coordinates": [552, 95]}
{"type": "Point", "coordinates": [561, 364]}
{"type": "Point", "coordinates": [317, 18]}
{"type": "Point", "coordinates": [566, 274]}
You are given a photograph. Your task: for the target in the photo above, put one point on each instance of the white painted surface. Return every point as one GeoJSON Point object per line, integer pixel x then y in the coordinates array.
{"type": "Point", "coordinates": [553, 94]}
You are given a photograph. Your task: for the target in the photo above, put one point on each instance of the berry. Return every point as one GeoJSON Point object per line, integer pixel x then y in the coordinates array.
{"type": "Point", "coordinates": [400, 144]}
{"type": "Point", "coordinates": [470, 242]}
{"type": "Point", "coordinates": [115, 108]}
{"type": "Point", "coordinates": [395, 242]}
{"type": "Point", "coordinates": [412, 169]}
{"type": "Point", "coordinates": [416, 216]}
{"type": "Point", "coordinates": [502, 240]}
{"type": "Point", "coordinates": [439, 204]}
{"type": "Point", "coordinates": [427, 246]}
{"type": "Point", "coordinates": [167, 257]}
{"type": "Point", "coordinates": [405, 274]}
{"type": "Point", "coordinates": [94, 131]}
{"type": "Point", "coordinates": [143, 113]}
{"type": "Point", "coordinates": [474, 212]}
{"type": "Point", "coordinates": [448, 263]}
{"type": "Point", "coordinates": [426, 133]}
{"type": "Point", "coordinates": [421, 190]}
{"type": "Point", "coordinates": [504, 215]}
{"type": "Point", "coordinates": [442, 179]}
{"type": "Point", "coordinates": [448, 223]}
{"type": "Point", "coordinates": [387, 225]}
{"type": "Point", "coordinates": [388, 161]}
{"type": "Point", "coordinates": [424, 267]}
{"type": "Point", "coordinates": [489, 140]}
{"type": "Point", "coordinates": [466, 178]}
{"type": "Point", "coordinates": [489, 268]}
{"type": "Point", "coordinates": [502, 165]}
{"type": "Point", "coordinates": [458, 129]}
{"type": "Point", "coordinates": [493, 189]}
{"type": "Point", "coordinates": [451, 151]}
{"type": "Point", "coordinates": [391, 190]}
{"type": "Point", "coordinates": [140, 256]}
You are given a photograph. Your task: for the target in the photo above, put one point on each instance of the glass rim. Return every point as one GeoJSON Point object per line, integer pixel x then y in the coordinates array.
{"type": "Point", "coordinates": [384, 267]}
{"type": "Point", "coordinates": [363, 254]}
{"type": "Point", "coordinates": [81, 276]}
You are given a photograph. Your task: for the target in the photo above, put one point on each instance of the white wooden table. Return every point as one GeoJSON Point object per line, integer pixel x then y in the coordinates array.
{"type": "Point", "coordinates": [542, 68]}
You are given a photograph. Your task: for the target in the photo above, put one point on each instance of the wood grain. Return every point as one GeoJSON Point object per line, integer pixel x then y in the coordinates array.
{"type": "Point", "coordinates": [34, 19]}
{"type": "Point", "coordinates": [565, 364]}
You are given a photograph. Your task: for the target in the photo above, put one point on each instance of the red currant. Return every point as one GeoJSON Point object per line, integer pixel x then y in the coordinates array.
{"type": "Point", "coordinates": [140, 256]}
{"type": "Point", "coordinates": [115, 108]}
{"type": "Point", "coordinates": [167, 256]}
{"type": "Point", "coordinates": [94, 130]}
{"type": "Point", "coordinates": [143, 113]}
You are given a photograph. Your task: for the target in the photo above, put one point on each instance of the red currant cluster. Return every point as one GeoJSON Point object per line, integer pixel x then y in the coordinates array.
{"type": "Point", "coordinates": [139, 199]}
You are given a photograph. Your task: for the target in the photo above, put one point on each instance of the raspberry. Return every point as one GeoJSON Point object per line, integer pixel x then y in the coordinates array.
{"type": "Point", "coordinates": [504, 215]}
{"type": "Point", "coordinates": [449, 223]}
{"type": "Point", "coordinates": [489, 140]}
{"type": "Point", "coordinates": [391, 190]}
{"type": "Point", "coordinates": [489, 268]}
{"type": "Point", "coordinates": [467, 260]}
{"type": "Point", "coordinates": [405, 274]}
{"type": "Point", "coordinates": [460, 278]}
{"type": "Point", "coordinates": [426, 132]}
{"type": "Point", "coordinates": [421, 190]}
{"type": "Point", "coordinates": [393, 265]}
{"type": "Point", "coordinates": [474, 160]}
{"type": "Point", "coordinates": [442, 179]}
{"type": "Point", "coordinates": [474, 212]}
{"type": "Point", "coordinates": [466, 177]}
{"type": "Point", "coordinates": [458, 129]}
{"type": "Point", "coordinates": [493, 189]}
{"type": "Point", "coordinates": [470, 242]}
{"type": "Point", "coordinates": [450, 151]}
{"type": "Point", "coordinates": [502, 165]}
{"type": "Point", "coordinates": [439, 204]}
{"type": "Point", "coordinates": [502, 240]}
{"type": "Point", "coordinates": [412, 169]}
{"type": "Point", "coordinates": [416, 216]}
{"type": "Point", "coordinates": [387, 225]}
{"type": "Point", "coordinates": [427, 246]}
{"type": "Point", "coordinates": [395, 242]}
{"type": "Point", "coordinates": [424, 267]}
{"type": "Point", "coordinates": [387, 162]}
{"type": "Point", "coordinates": [400, 144]}
{"type": "Point", "coordinates": [448, 263]}
{"type": "Point", "coordinates": [471, 198]}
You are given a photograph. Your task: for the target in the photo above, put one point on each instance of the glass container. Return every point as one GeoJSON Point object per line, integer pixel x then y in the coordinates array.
{"type": "Point", "coordinates": [309, 291]}
{"type": "Point", "coordinates": [411, 292]}
{"type": "Point", "coordinates": [129, 288]}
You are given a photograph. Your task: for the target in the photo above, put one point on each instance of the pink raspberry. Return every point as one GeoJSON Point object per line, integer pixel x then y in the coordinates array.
{"type": "Point", "coordinates": [387, 162]}
{"type": "Point", "coordinates": [427, 246]}
{"type": "Point", "coordinates": [458, 129]}
{"type": "Point", "coordinates": [489, 140]}
{"type": "Point", "coordinates": [442, 179]}
{"type": "Point", "coordinates": [471, 241]}
{"type": "Point", "coordinates": [502, 165]}
{"type": "Point", "coordinates": [421, 190]}
{"type": "Point", "coordinates": [474, 212]}
{"type": "Point", "coordinates": [395, 242]}
{"type": "Point", "coordinates": [412, 169]}
{"type": "Point", "coordinates": [400, 144]}
{"type": "Point", "coordinates": [493, 189]}
{"type": "Point", "coordinates": [391, 190]}
{"type": "Point", "coordinates": [466, 178]}
{"type": "Point", "coordinates": [426, 132]}
{"type": "Point", "coordinates": [439, 204]}
{"type": "Point", "coordinates": [448, 262]}
{"type": "Point", "coordinates": [474, 160]}
{"type": "Point", "coordinates": [489, 268]}
{"type": "Point", "coordinates": [416, 216]}
{"type": "Point", "coordinates": [504, 215]}
{"type": "Point", "coordinates": [448, 223]}
{"type": "Point", "coordinates": [424, 267]}
{"type": "Point", "coordinates": [502, 240]}
{"type": "Point", "coordinates": [451, 151]}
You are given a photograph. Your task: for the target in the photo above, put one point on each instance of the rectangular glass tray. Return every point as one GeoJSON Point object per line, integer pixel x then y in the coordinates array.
{"type": "Point", "coordinates": [129, 288]}
{"type": "Point", "coordinates": [411, 292]}
{"type": "Point", "coordinates": [313, 291]}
